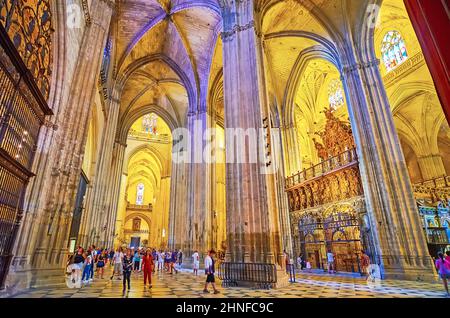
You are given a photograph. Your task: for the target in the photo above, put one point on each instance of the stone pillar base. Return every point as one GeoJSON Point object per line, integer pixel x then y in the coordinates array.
{"type": "Point", "coordinates": [419, 275]}
{"type": "Point", "coordinates": [282, 279]}
{"type": "Point", "coordinates": [409, 268]}
{"type": "Point", "coordinates": [19, 280]}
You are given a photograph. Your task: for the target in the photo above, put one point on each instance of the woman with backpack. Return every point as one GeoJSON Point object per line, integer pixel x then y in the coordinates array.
{"type": "Point", "coordinates": [443, 268]}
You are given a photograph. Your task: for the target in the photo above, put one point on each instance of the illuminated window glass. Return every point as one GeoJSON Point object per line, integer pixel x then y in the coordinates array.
{"type": "Point", "coordinates": [150, 124]}
{"type": "Point", "coordinates": [140, 194]}
{"type": "Point", "coordinates": [393, 50]}
{"type": "Point", "coordinates": [336, 94]}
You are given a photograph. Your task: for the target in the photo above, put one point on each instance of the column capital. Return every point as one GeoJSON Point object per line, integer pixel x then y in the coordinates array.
{"type": "Point", "coordinates": [120, 143]}
{"type": "Point", "coordinates": [50, 124]}
{"type": "Point", "coordinates": [231, 4]}
{"type": "Point", "coordinates": [193, 113]}
{"type": "Point", "coordinates": [110, 3]}
{"type": "Point", "coordinates": [99, 14]}
{"type": "Point", "coordinates": [360, 65]}
{"type": "Point", "coordinates": [228, 35]}
{"type": "Point", "coordinates": [237, 15]}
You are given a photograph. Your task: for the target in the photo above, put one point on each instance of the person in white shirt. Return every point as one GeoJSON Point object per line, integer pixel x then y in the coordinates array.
{"type": "Point", "coordinates": [330, 259]}
{"type": "Point", "coordinates": [160, 261]}
{"type": "Point", "coordinates": [209, 271]}
{"type": "Point", "coordinates": [196, 262]}
{"type": "Point", "coordinates": [117, 260]}
{"type": "Point", "coordinates": [94, 261]}
{"type": "Point", "coordinates": [308, 266]}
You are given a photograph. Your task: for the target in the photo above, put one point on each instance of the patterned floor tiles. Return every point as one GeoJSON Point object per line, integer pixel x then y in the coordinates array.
{"type": "Point", "coordinates": [185, 285]}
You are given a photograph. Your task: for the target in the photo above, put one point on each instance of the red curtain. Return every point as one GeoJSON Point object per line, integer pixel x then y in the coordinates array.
{"type": "Point", "coordinates": [431, 21]}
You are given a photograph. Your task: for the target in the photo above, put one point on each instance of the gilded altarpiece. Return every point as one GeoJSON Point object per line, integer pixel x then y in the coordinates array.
{"type": "Point", "coordinates": [326, 201]}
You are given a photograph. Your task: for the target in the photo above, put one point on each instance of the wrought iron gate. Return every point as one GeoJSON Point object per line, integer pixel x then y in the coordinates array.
{"type": "Point", "coordinates": [22, 113]}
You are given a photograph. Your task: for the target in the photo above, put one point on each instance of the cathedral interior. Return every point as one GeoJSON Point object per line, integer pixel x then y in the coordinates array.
{"type": "Point", "coordinates": [94, 95]}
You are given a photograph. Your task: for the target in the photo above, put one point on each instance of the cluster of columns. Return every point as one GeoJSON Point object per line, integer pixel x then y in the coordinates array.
{"type": "Point", "coordinates": [395, 226]}
{"type": "Point", "coordinates": [194, 188]}
{"type": "Point", "coordinates": [253, 227]}
{"type": "Point", "coordinates": [99, 218]}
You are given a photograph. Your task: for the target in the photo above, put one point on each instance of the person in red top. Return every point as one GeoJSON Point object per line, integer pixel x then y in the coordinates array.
{"type": "Point", "coordinates": [147, 263]}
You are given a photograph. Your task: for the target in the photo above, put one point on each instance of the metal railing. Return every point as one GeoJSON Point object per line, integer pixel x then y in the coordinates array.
{"type": "Point", "coordinates": [147, 207]}
{"type": "Point", "coordinates": [262, 275]}
{"type": "Point", "coordinates": [290, 270]}
{"type": "Point", "coordinates": [344, 159]}
{"type": "Point", "coordinates": [131, 231]}
{"type": "Point", "coordinates": [434, 189]}
{"type": "Point", "coordinates": [407, 67]}
{"type": "Point", "coordinates": [142, 135]}
{"type": "Point", "coordinates": [441, 182]}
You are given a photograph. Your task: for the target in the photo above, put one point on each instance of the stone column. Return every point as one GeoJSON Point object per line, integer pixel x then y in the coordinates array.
{"type": "Point", "coordinates": [431, 166]}
{"type": "Point", "coordinates": [252, 225]}
{"type": "Point", "coordinates": [107, 237]}
{"type": "Point", "coordinates": [199, 189]}
{"type": "Point", "coordinates": [394, 220]}
{"type": "Point", "coordinates": [178, 207]}
{"type": "Point", "coordinates": [66, 172]}
{"type": "Point", "coordinates": [121, 211]}
{"type": "Point", "coordinates": [218, 186]}
{"type": "Point", "coordinates": [282, 199]}
{"type": "Point", "coordinates": [291, 150]}
{"type": "Point", "coordinates": [163, 209]}
{"type": "Point", "coordinates": [97, 208]}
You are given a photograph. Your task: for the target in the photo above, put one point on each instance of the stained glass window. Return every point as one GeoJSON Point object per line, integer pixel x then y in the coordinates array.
{"type": "Point", "coordinates": [393, 50]}
{"type": "Point", "coordinates": [150, 124]}
{"type": "Point", "coordinates": [336, 94]}
{"type": "Point", "coordinates": [140, 194]}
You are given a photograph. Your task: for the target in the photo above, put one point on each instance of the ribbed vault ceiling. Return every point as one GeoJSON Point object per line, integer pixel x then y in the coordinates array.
{"type": "Point", "coordinates": [170, 51]}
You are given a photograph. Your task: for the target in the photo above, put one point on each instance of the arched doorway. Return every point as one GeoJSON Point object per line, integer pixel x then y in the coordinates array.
{"type": "Point", "coordinates": [145, 190]}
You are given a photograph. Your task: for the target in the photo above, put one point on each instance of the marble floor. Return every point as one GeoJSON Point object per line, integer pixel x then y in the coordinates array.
{"type": "Point", "coordinates": [185, 285]}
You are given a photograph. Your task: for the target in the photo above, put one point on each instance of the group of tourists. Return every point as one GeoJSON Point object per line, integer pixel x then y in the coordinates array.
{"type": "Point", "coordinates": [85, 263]}
{"type": "Point", "coordinates": [304, 264]}
{"type": "Point", "coordinates": [81, 265]}
{"type": "Point", "coordinates": [442, 263]}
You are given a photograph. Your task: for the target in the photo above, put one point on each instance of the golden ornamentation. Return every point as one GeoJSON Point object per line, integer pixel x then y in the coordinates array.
{"type": "Point", "coordinates": [29, 26]}
{"type": "Point", "coordinates": [337, 137]}
{"type": "Point", "coordinates": [341, 185]}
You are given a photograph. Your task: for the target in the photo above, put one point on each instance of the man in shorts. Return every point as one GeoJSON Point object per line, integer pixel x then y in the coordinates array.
{"type": "Point", "coordinates": [209, 271]}
{"type": "Point", "coordinates": [117, 259]}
